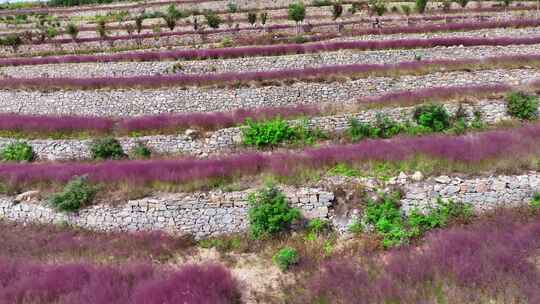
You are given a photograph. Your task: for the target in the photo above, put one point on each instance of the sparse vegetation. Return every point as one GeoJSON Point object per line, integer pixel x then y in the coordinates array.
{"type": "Point", "coordinates": [18, 151]}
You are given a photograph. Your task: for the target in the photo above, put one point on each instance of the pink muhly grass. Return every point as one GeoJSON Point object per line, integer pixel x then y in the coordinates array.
{"type": "Point", "coordinates": [471, 148]}
{"type": "Point", "coordinates": [212, 120]}
{"type": "Point", "coordinates": [277, 75]}
{"type": "Point", "coordinates": [491, 258]}
{"type": "Point", "coordinates": [51, 124]}
{"type": "Point", "coordinates": [132, 284]}
{"type": "Point", "coordinates": [275, 50]}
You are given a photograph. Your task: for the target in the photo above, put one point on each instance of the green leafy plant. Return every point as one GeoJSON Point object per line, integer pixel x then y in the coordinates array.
{"type": "Point", "coordinates": [267, 133]}
{"type": "Point", "coordinates": [433, 116]}
{"type": "Point", "coordinates": [72, 30]}
{"type": "Point", "coordinates": [213, 20]}
{"type": "Point", "coordinates": [344, 170]}
{"type": "Point", "coordinates": [106, 148]}
{"type": "Point", "coordinates": [355, 227]}
{"type": "Point", "coordinates": [437, 216]}
{"type": "Point", "coordinates": [522, 105]}
{"type": "Point", "coordinates": [386, 127]}
{"type": "Point", "coordinates": [420, 6]}
{"type": "Point", "coordinates": [358, 130]}
{"type": "Point", "coordinates": [12, 40]}
{"type": "Point", "coordinates": [317, 226]}
{"type": "Point", "coordinates": [535, 201]}
{"type": "Point", "coordinates": [18, 151]}
{"type": "Point", "coordinates": [462, 3]}
{"type": "Point", "coordinates": [76, 194]}
{"type": "Point", "coordinates": [141, 151]}
{"type": "Point", "coordinates": [232, 7]}
{"type": "Point", "coordinates": [269, 212]}
{"type": "Point", "coordinates": [286, 257]}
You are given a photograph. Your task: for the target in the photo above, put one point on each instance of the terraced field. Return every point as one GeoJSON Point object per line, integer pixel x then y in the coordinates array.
{"type": "Point", "coordinates": [270, 152]}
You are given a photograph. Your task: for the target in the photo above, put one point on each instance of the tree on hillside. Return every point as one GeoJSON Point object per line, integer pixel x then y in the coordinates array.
{"type": "Point", "coordinates": [252, 18]}
{"type": "Point", "coordinates": [101, 29]}
{"type": "Point", "coordinates": [73, 31]}
{"type": "Point", "coordinates": [421, 6]}
{"type": "Point", "coordinates": [212, 19]}
{"type": "Point", "coordinates": [297, 13]}
{"type": "Point", "coordinates": [462, 3]}
{"type": "Point", "coordinates": [337, 11]}
{"type": "Point", "coordinates": [139, 23]}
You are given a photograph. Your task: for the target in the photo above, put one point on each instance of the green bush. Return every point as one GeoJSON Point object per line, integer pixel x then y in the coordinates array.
{"type": "Point", "coordinates": [213, 20]}
{"type": "Point", "coordinates": [317, 226]}
{"type": "Point", "coordinates": [386, 127]}
{"type": "Point", "coordinates": [296, 12]}
{"type": "Point", "coordinates": [17, 151]}
{"type": "Point", "coordinates": [355, 227]}
{"type": "Point", "coordinates": [286, 257]}
{"type": "Point", "coordinates": [267, 133]}
{"type": "Point", "coordinates": [535, 201]}
{"type": "Point", "coordinates": [437, 217]}
{"type": "Point", "coordinates": [433, 116]}
{"type": "Point", "coordinates": [420, 6]}
{"type": "Point", "coordinates": [76, 194]}
{"type": "Point", "coordinates": [141, 151]}
{"type": "Point", "coordinates": [358, 130]}
{"type": "Point", "coordinates": [522, 106]}
{"type": "Point", "coordinates": [269, 212]}
{"type": "Point", "coordinates": [387, 220]}
{"type": "Point", "coordinates": [106, 148]}
{"type": "Point", "coordinates": [396, 229]}
{"type": "Point", "coordinates": [342, 169]}
{"type": "Point", "coordinates": [276, 131]}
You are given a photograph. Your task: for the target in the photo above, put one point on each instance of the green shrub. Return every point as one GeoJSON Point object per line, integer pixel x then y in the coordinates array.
{"type": "Point", "coordinates": [267, 133]}
{"type": "Point", "coordinates": [396, 229]}
{"type": "Point", "coordinates": [269, 212]}
{"type": "Point", "coordinates": [437, 217]}
{"type": "Point", "coordinates": [106, 148]}
{"type": "Point", "coordinates": [355, 227]}
{"type": "Point", "coordinates": [276, 131]}
{"type": "Point", "coordinates": [213, 20]}
{"type": "Point", "coordinates": [286, 257]}
{"type": "Point", "coordinates": [433, 116]}
{"type": "Point", "coordinates": [141, 151]}
{"type": "Point", "coordinates": [420, 6]}
{"type": "Point", "coordinates": [387, 220]}
{"type": "Point", "coordinates": [17, 151]}
{"type": "Point", "coordinates": [522, 106]}
{"type": "Point", "coordinates": [320, 3]}
{"type": "Point", "coordinates": [358, 130]}
{"type": "Point", "coordinates": [76, 194]}
{"type": "Point", "coordinates": [386, 127]}
{"type": "Point", "coordinates": [535, 201]}
{"type": "Point", "coordinates": [317, 226]}
{"type": "Point", "coordinates": [344, 170]}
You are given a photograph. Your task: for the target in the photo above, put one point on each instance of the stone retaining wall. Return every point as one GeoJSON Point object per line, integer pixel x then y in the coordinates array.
{"type": "Point", "coordinates": [230, 139]}
{"type": "Point", "coordinates": [483, 193]}
{"type": "Point", "coordinates": [124, 69]}
{"type": "Point", "coordinates": [199, 214]}
{"type": "Point", "coordinates": [191, 40]}
{"type": "Point", "coordinates": [206, 214]}
{"type": "Point", "coordinates": [134, 102]}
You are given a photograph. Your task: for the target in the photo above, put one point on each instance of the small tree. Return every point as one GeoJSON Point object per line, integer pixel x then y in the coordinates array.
{"type": "Point", "coordinates": [421, 6]}
{"type": "Point", "coordinates": [13, 41]}
{"type": "Point", "coordinates": [129, 29]}
{"type": "Point", "coordinates": [406, 11]}
{"type": "Point", "coordinates": [139, 23]}
{"type": "Point", "coordinates": [212, 19]}
{"type": "Point", "coordinates": [101, 29]}
{"type": "Point", "coordinates": [232, 7]}
{"type": "Point", "coordinates": [170, 21]}
{"type": "Point", "coordinates": [76, 194]}
{"type": "Point", "coordinates": [252, 18]}
{"type": "Point", "coordinates": [72, 30]}
{"type": "Point", "coordinates": [337, 10]}
{"type": "Point", "coordinates": [269, 212]}
{"type": "Point", "coordinates": [297, 13]}
{"type": "Point", "coordinates": [462, 3]}
{"type": "Point", "coordinates": [264, 16]}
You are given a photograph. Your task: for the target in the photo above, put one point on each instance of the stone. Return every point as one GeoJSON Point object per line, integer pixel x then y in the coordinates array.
{"type": "Point", "coordinates": [443, 179]}
{"type": "Point", "coordinates": [192, 133]}
{"type": "Point", "coordinates": [27, 196]}
{"type": "Point", "coordinates": [417, 176]}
